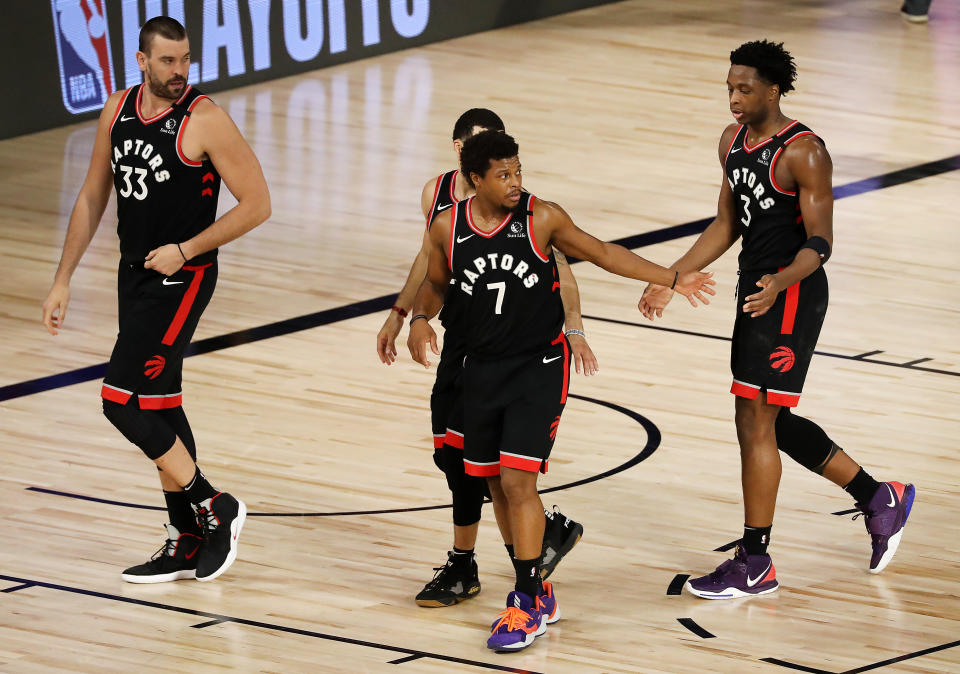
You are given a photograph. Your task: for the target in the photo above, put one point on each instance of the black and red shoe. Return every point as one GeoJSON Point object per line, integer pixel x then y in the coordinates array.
{"type": "Point", "coordinates": [176, 560]}
{"type": "Point", "coordinates": [220, 518]}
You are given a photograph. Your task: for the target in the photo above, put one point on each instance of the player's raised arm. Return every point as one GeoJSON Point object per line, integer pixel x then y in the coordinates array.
{"type": "Point", "coordinates": [84, 219]}
{"type": "Point", "coordinates": [429, 299]}
{"type": "Point", "coordinates": [553, 225]}
{"type": "Point", "coordinates": [211, 133]}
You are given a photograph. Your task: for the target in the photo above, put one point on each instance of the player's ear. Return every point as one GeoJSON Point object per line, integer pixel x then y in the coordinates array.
{"type": "Point", "coordinates": [142, 60]}
{"type": "Point", "coordinates": [457, 146]}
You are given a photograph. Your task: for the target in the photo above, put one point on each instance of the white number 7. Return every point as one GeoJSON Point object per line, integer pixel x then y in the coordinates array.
{"type": "Point", "coordinates": [500, 287]}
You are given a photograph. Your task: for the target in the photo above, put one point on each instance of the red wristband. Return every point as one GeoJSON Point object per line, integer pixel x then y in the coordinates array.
{"type": "Point", "coordinates": [402, 312]}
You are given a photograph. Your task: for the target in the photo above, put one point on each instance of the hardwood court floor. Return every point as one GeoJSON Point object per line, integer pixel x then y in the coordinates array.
{"type": "Point", "coordinates": [617, 111]}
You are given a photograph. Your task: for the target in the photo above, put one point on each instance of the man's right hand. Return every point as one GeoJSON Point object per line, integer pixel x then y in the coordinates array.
{"type": "Point", "coordinates": [386, 338]}
{"type": "Point", "coordinates": [420, 335]}
{"type": "Point", "coordinates": [654, 300]}
{"type": "Point", "coordinates": [55, 307]}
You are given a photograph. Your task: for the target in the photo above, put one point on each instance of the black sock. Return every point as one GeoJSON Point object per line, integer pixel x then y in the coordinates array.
{"type": "Point", "coordinates": [180, 512]}
{"type": "Point", "coordinates": [461, 558]}
{"type": "Point", "coordinates": [862, 487]}
{"type": "Point", "coordinates": [528, 576]}
{"type": "Point", "coordinates": [755, 540]}
{"type": "Point", "coordinates": [509, 548]}
{"type": "Point", "coordinates": [199, 489]}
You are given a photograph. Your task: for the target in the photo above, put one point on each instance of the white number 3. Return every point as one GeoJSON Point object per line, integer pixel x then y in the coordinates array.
{"type": "Point", "coordinates": [127, 188]}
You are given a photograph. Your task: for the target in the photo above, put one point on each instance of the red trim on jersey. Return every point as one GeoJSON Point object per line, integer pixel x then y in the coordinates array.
{"type": "Point", "coordinates": [732, 141]}
{"type": "Point", "coordinates": [528, 464]}
{"type": "Point", "coordinates": [163, 112]}
{"type": "Point", "coordinates": [790, 309]}
{"type": "Point", "coordinates": [748, 391]}
{"type": "Point", "coordinates": [437, 441]}
{"type": "Point", "coordinates": [453, 186]}
{"type": "Point", "coordinates": [778, 133]}
{"type": "Point", "coordinates": [481, 470]}
{"type": "Point", "coordinates": [533, 238]}
{"type": "Point", "coordinates": [114, 395]}
{"type": "Point", "coordinates": [783, 399]}
{"type": "Point", "coordinates": [184, 309]}
{"type": "Point", "coordinates": [787, 128]}
{"type": "Point", "coordinates": [165, 402]}
{"type": "Point", "coordinates": [773, 180]}
{"type": "Point", "coordinates": [454, 440]}
{"type": "Point", "coordinates": [799, 135]}
{"type": "Point", "coordinates": [116, 113]}
{"type": "Point", "coordinates": [491, 233]}
{"type": "Point", "coordinates": [186, 118]}
{"type": "Point", "coordinates": [453, 230]}
{"type": "Point", "coordinates": [566, 365]}
{"type": "Point", "coordinates": [433, 204]}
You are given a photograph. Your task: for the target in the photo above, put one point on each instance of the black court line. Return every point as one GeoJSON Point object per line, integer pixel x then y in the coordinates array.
{"type": "Point", "coordinates": [867, 354]}
{"type": "Point", "coordinates": [695, 628]}
{"type": "Point", "coordinates": [863, 358]}
{"type": "Point", "coordinates": [676, 585]}
{"type": "Point", "coordinates": [400, 661]}
{"type": "Point", "coordinates": [865, 668]}
{"type": "Point", "coordinates": [653, 442]}
{"type": "Point", "coordinates": [916, 362]}
{"type": "Point", "coordinates": [210, 623]}
{"type": "Point", "coordinates": [14, 588]}
{"type": "Point", "coordinates": [266, 626]}
{"type": "Point", "coordinates": [365, 307]}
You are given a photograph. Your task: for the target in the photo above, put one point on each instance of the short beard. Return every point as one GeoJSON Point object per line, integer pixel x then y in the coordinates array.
{"type": "Point", "coordinates": [162, 90]}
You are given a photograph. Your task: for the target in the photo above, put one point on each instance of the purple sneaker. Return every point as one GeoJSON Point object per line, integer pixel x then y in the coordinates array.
{"type": "Point", "coordinates": [743, 576]}
{"type": "Point", "coordinates": [886, 516]}
{"type": "Point", "coordinates": [516, 627]}
{"type": "Point", "coordinates": [547, 601]}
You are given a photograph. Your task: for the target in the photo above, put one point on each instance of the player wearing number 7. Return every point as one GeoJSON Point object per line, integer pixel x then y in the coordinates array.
{"type": "Point", "coordinates": [498, 248]}
{"type": "Point", "coordinates": [777, 196]}
{"type": "Point", "coordinates": [165, 147]}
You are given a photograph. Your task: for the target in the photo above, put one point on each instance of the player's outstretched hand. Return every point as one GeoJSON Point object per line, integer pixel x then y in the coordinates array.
{"type": "Point", "coordinates": [420, 335]}
{"type": "Point", "coordinates": [166, 259]}
{"type": "Point", "coordinates": [654, 300]}
{"type": "Point", "coordinates": [387, 338]}
{"type": "Point", "coordinates": [55, 307]}
{"type": "Point", "coordinates": [759, 303]}
{"type": "Point", "coordinates": [694, 284]}
{"type": "Point", "coordinates": [583, 356]}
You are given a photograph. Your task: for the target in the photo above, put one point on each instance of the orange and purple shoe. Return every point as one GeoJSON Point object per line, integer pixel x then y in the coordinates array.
{"type": "Point", "coordinates": [547, 602]}
{"type": "Point", "coordinates": [743, 576]}
{"type": "Point", "coordinates": [519, 624]}
{"type": "Point", "coordinates": [885, 516]}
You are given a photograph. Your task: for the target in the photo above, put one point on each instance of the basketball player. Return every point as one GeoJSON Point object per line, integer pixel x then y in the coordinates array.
{"type": "Point", "coordinates": [458, 578]}
{"type": "Point", "coordinates": [778, 197]}
{"type": "Point", "coordinates": [165, 146]}
{"type": "Point", "coordinates": [498, 247]}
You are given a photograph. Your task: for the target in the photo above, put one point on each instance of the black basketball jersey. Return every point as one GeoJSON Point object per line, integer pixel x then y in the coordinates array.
{"type": "Point", "coordinates": [769, 216]}
{"type": "Point", "coordinates": [162, 195]}
{"type": "Point", "coordinates": [508, 289]}
{"type": "Point", "coordinates": [444, 198]}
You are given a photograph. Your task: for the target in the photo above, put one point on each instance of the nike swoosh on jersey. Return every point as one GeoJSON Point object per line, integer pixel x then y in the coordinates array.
{"type": "Point", "coordinates": [753, 581]}
{"type": "Point", "coordinates": [550, 360]}
{"type": "Point", "coordinates": [443, 208]}
{"type": "Point", "coordinates": [461, 239]}
{"type": "Point", "coordinates": [737, 150]}
{"type": "Point", "coordinates": [127, 119]}
{"type": "Point", "coordinates": [168, 282]}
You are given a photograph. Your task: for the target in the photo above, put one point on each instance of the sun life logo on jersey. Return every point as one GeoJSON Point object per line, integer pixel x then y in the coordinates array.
{"type": "Point", "coordinates": [516, 230]}
{"type": "Point", "coordinates": [764, 157]}
{"type": "Point", "coordinates": [170, 126]}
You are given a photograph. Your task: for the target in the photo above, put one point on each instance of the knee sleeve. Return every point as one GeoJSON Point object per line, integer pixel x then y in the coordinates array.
{"type": "Point", "coordinates": [804, 441]}
{"type": "Point", "coordinates": [468, 492]}
{"type": "Point", "coordinates": [143, 428]}
{"type": "Point", "coordinates": [176, 418]}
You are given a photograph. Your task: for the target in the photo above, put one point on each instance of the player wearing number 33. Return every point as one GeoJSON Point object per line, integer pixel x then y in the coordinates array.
{"type": "Point", "coordinates": [497, 247]}
{"type": "Point", "coordinates": [165, 147]}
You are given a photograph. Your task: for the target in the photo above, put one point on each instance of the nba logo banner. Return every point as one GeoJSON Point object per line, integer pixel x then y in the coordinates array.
{"type": "Point", "coordinates": [83, 49]}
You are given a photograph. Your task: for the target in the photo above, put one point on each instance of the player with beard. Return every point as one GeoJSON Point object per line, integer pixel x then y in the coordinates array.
{"type": "Point", "coordinates": [165, 147]}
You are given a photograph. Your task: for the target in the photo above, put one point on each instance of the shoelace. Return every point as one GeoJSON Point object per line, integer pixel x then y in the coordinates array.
{"type": "Point", "coordinates": [207, 521]}
{"type": "Point", "coordinates": [717, 575]}
{"type": "Point", "coordinates": [514, 618]}
{"type": "Point", "coordinates": [170, 545]}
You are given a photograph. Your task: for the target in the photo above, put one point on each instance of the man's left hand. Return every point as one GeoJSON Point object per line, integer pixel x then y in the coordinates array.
{"type": "Point", "coordinates": [759, 303]}
{"type": "Point", "coordinates": [166, 260]}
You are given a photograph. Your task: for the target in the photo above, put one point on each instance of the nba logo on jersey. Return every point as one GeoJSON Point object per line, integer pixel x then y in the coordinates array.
{"type": "Point", "coordinates": [83, 48]}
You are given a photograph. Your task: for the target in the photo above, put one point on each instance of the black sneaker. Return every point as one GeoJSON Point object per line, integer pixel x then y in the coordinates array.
{"type": "Point", "coordinates": [916, 11]}
{"type": "Point", "coordinates": [450, 585]}
{"type": "Point", "coordinates": [176, 560]}
{"type": "Point", "coordinates": [560, 535]}
{"type": "Point", "coordinates": [221, 518]}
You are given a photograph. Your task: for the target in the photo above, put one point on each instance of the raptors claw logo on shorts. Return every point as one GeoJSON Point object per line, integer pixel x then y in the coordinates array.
{"type": "Point", "coordinates": [154, 366]}
{"type": "Point", "coordinates": [782, 359]}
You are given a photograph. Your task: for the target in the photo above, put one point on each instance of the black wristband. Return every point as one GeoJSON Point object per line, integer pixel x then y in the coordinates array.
{"type": "Point", "coordinates": [820, 246]}
{"type": "Point", "coordinates": [676, 275]}
{"type": "Point", "coordinates": [423, 316]}
{"type": "Point", "coordinates": [181, 253]}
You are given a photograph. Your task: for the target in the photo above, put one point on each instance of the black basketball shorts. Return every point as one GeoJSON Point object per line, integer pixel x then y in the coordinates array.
{"type": "Point", "coordinates": [446, 398]}
{"type": "Point", "coordinates": [771, 353]}
{"type": "Point", "coordinates": [512, 409]}
{"type": "Point", "coordinates": [157, 317]}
